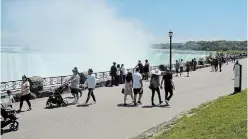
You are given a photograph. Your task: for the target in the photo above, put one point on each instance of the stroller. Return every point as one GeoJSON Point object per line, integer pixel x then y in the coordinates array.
{"type": "Point", "coordinates": [9, 118]}
{"type": "Point", "coordinates": [56, 99]}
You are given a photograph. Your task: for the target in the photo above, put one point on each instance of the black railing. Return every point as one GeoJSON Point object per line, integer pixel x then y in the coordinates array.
{"type": "Point", "coordinates": [54, 81]}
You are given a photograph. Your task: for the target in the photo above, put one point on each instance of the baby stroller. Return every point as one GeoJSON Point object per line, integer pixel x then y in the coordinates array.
{"type": "Point", "coordinates": [9, 118]}
{"type": "Point", "coordinates": [56, 98]}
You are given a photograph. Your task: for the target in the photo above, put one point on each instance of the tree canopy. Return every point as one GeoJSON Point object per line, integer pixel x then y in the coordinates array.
{"type": "Point", "coordinates": [220, 45]}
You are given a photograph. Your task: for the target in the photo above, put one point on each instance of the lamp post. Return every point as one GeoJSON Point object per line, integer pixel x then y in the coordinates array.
{"type": "Point", "coordinates": [170, 35]}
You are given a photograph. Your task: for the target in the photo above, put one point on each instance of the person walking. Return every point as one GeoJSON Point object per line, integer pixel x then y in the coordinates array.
{"type": "Point", "coordinates": [177, 66]}
{"type": "Point", "coordinates": [146, 69]}
{"type": "Point", "coordinates": [154, 85]}
{"type": "Point", "coordinates": [91, 83]}
{"type": "Point", "coordinates": [128, 88]}
{"type": "Point", "coordinates": [181, 66]}
{"type": "Point", "coordinates": [123, 73]}
{"type": "Point", "coordinates": [75, 80]}
{"type": "Point", "coordinates": [137, 86]}
{"type": "Point", "coordinates": [118, 73]}
{"type": "Point", "coordinates": [25, 93]}
{"type": "Point", "coordinates": [113, 73]}
{"type": "Point", "coordinates": [141, 68]}
{"type": "Point", "coordinates": [220, 61]}
{"type": "Point", "coordinates": [187, 68]}
{"type": "Point", "coordinates": [168, 86]}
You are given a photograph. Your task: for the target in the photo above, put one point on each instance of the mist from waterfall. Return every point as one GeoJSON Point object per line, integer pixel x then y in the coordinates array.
{"type": "Point", "coordinates": [65, 34]}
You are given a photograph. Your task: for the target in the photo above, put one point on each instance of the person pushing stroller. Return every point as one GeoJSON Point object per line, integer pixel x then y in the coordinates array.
{"type": "Point", "coordinates": [75, 80]}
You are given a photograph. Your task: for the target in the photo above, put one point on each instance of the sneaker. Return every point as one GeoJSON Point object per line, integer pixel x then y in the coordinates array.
{"type": "Point", "coordinates": [139, 102]}
{"type": "Point", "coordinates": [29, 109]}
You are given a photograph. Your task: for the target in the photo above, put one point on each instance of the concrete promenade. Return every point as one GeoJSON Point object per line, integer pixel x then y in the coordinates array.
{"type": "Point", "coordinates": [106, 120]}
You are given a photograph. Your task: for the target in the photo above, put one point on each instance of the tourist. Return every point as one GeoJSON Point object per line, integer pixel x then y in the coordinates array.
{"type": "Point", "coordinates": [118, 74]}
{"type": "Point", "coordinates": [154, 85]}
{"type": "Point", "coordinates": [137, 85]}
{"type": "Point", "coordinates": [123, 73]}
{"type": "Point", "coordinates": [128, 87]}
{"type": "Point", "coordinates": [91, 83]}
{"type": "Point", "coordinates": [212, 64]}
{"type": "Point", "coordinates": [75, 80]}
{"type": "Point", "coordinates": [216, 64]}
{"type": "Point", "coordinates": [181, 66]}
{"type": "Point", "coordinates": [220, 61]}
{"type": "Point", "coordinates": [168, 86]}
{"type": "Point", "coordinates": [11, 99]}
{"type": "Point", "coordinates": [25, 93]}
{"type": "Point", "coordinates": [146, 69]}
{"type": "Point", "coordinates": [141, 67]}
{"type": "Point", "coordinates": [194, 64]}
{"type": "Point", "coordinates": [187, 68]}
{"type": "Point", "coordinates": [177, 66]}
{"type": "Point", "coordinates": [113, 74]}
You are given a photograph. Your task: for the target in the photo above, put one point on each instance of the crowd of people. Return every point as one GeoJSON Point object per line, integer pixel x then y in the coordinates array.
{"type": "Point", "coordinates": [132, 80]}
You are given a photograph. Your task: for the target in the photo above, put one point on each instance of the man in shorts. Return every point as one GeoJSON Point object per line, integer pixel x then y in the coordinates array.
{"type": "Point", "coordinates": [137, 86]}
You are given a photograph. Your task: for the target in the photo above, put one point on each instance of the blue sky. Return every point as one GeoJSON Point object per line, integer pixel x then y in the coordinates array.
{"type": "Point", "coordinates": [188, 19]}
{"type": "Point", "coordinates": [223, 19]}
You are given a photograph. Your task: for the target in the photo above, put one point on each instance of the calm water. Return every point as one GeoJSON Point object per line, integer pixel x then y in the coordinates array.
{"type": "Point", "coordinates": [15, 64]}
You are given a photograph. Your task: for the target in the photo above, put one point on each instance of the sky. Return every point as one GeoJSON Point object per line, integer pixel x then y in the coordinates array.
{"type": "Point", "coordinates": [188, 19]}
{"type": "Point", "coordinates": [93, 33]}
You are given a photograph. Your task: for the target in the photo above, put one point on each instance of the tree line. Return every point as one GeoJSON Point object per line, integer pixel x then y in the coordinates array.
{"type": "Point", "coordinates": [220, 45]}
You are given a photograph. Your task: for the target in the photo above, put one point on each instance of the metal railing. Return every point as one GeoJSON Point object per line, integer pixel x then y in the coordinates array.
{"type": "Point", "coordinates": [54, 81]}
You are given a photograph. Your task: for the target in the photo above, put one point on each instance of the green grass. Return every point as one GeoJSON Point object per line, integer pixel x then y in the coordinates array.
{"type": "Point", "coordinates": [223, 118]}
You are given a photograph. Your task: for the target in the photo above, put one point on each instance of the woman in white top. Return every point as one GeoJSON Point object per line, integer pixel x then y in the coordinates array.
{"type": "Point", "coordinates": [123, 73]}
{"type": "Point", "coordinates": [91, 84]}
{"type": "Point", "coordinates": [118, 73]}
{"type": "Point", "coordinates": [25, 93]}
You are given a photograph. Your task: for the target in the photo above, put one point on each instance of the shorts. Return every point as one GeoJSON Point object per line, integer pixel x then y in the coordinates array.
{"type": "Point", "coordinates": [137, 91]}
{"type": "Point", "coordinates": [181, 69]}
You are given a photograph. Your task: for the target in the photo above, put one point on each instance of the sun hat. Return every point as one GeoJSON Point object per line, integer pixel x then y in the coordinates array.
{"type": "Point", "coordinates": [156, 72]}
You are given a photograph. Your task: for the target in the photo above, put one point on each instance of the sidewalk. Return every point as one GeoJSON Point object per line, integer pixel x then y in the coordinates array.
{"type": "Point", "coordinates": [106, 120]}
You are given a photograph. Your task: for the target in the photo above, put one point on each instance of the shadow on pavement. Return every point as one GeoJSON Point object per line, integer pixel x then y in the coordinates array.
{"type": "Point", "coordinates": [4, 131]}
{"type": "Point", "coordinates": [69, 98]}
{"type": "Point", "coordinates": [84, 105]}
{"type": "Point", "coordinates": [53, 107]}
{"type": "Point", "coordinates": [128, 105]}
{"type": "Point", "coordinates": [160, 106]}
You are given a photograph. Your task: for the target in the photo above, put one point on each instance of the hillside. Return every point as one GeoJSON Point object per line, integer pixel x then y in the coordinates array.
{"type": "Point", "coordinates": [221, 45]}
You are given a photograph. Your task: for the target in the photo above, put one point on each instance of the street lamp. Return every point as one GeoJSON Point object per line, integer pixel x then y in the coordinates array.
{"type": "Point", "coordinates": [170, 35]}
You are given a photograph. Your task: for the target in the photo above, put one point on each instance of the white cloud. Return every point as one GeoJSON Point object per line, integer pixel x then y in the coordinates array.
{"type": "Point", "coordinates": [90, 28]}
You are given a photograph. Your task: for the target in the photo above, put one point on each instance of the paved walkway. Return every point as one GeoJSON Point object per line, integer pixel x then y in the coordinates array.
{"type": "Point", "coordinates": [106, 120]}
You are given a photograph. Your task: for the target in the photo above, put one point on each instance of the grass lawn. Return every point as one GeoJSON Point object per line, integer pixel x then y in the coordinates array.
{"type": "Point", "coordinates": [224, 118]}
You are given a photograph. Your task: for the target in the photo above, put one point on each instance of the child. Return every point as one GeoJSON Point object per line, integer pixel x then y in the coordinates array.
{"type": "Point", "coordinates": [11, 99]}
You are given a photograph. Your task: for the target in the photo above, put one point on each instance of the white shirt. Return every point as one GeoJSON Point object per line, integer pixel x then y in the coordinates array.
{"type": "Point", "coordinates": [180, 63]}
{"type": "Point", "coordinates": [118, 72]}
{"type": "Point", "coordinates": [124, 71]}
{"type": "Point", "coordinates": [75, 78]}
{"type": "Point", "coordinates": [91, 81]}
{"type": "Point", "coordinates": [136, 80]}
